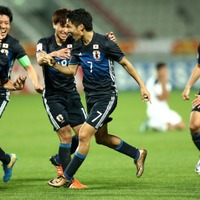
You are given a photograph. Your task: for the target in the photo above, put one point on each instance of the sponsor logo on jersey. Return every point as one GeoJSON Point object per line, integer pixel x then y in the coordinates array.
{"type": "Point", "coordinates": [95, 46]}
{"type": "Point", "coordinates": [96, 55]}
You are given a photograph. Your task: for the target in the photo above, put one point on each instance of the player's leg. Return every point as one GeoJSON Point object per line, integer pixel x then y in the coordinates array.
{"type": "Point", "coordinates": [195, 132]}
{"type": "Point", "coordinates": [8, 161]}
{"type": "Point", "coordinates": [117, 144]}
{"type": "Point", "coordinates": [58, 116]}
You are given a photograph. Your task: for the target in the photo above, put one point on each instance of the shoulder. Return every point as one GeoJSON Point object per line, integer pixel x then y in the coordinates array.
{"type": "Point", "coordinates": [11, 40]}
{"type": "Point", "coordinates": [45, 39]}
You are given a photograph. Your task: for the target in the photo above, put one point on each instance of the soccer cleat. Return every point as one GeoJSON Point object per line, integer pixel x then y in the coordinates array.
{"type": "Point", "coordinates": [62, 181]}
{"type": "Point", "coordinates": [197, 170]}
{"type": "Point", "coordinates": [58, 182]}
{"type": "Point", "coordinates": [77, 185]}
{"type": "Point", "coordinates": [9, 167]}
{"type": "Point", "coordinates": [140, 162]}
{"type": "Point", "coordinates": [56, 165]}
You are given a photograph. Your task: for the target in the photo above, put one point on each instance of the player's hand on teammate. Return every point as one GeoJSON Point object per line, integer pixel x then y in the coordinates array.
{"type": "Point", "coordinates": [62, 54]}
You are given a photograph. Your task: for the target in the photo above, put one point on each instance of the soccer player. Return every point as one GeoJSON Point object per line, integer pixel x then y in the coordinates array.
{"type": "Point", "coordinates": [95, 53]}
{"type": "Point", "coordinates": [195, 112]}
{"type": "Point", "coordinates": [60, 97]}
{"type": "Point", "coordinates": [10, 49]}
{"type": "Point", "coordinates": [164, 119]}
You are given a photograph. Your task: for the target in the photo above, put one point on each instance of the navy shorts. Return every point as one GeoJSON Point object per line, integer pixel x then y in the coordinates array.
{"type": "Point", "coordinates": [64, 109]}
{"type": "Point", "coordinates": [99, 108]}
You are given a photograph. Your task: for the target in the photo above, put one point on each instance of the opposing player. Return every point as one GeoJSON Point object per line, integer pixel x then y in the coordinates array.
{"type": "Point", "coordinates": [10, 49]}
{"type": "Point", "coordinates": [195, 112]}
{"type": "Point", "coordinates": [95, 54]}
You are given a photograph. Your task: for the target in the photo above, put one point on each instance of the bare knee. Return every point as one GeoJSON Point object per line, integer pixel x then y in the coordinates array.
{"type": "Point", "coordinates": [65, 134]}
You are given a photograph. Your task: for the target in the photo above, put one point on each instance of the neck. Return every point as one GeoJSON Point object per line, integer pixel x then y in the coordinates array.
{"type": "Point", "coordinates": [87, 37]}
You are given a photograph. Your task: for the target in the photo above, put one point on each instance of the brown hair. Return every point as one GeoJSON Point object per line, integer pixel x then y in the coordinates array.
{"type": "Point", "coordinates": [60, 16]}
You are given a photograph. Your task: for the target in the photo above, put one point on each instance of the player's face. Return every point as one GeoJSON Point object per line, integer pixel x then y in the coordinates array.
{"type": "Point", "coordinates": [4, 26]}
{"type": "Point", "coordinates": [61, 32]}
{"type": "Point", "coordinates": [75, 31]}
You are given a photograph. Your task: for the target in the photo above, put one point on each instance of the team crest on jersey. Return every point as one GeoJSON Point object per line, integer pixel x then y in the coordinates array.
{"type": "Point", "coordinates": [95, 46]}
{"type": "Point", "coordinates": [96, 55]}
{"type": "Point", "coordinates": [5, 51]}
{"type": "Point", "coordinates": [5, 45]}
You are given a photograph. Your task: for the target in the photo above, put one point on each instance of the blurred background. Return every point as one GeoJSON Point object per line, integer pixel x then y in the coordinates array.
{"type": "Point", "coordinates": [148, 31]}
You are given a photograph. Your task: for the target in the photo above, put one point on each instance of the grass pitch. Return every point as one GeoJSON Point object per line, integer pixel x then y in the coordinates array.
{"type": "Point", "coordinates": [169, 170]}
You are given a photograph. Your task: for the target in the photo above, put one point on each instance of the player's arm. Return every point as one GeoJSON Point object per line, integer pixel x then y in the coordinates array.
{"type": "Point", "coordinates": [70, 70]}
{"type": "Point", "coordinates": [25, 62]}
{"type": "Point", "coordinates": [43, 57]}
{"type": "Point", "coordinates": [145, 95]}
{"type": "Point", "coordinates": [193, 78]}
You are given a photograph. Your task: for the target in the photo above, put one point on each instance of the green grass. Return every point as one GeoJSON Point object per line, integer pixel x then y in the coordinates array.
{"type": "Point", "coordinates": [169, 170]}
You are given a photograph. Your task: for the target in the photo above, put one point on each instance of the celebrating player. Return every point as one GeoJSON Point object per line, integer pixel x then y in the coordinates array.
{"type": "Point", "coordinates": [95, 53]}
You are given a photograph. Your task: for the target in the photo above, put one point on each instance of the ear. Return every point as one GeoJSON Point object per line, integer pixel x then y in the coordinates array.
{"type": "Point", "coordinates": [81, 27]}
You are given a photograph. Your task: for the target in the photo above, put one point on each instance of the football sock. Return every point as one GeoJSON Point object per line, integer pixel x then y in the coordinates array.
{"type": "Point", "coordinates": [196, 140]}
{"type": "Point", "coordinates": [128, 150]}
{"type": "Point", "coordinates": [64, 154]}
{"type": "Point", "coordinates": [74, 144]}
{"type": "Point", "coordinates": [5, 158]}
{"type": "Point", "coordinates": [74, 165]}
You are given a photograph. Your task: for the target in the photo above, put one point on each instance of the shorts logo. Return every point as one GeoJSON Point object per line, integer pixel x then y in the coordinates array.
{"type": "Point", "coordinates": [59, 118]}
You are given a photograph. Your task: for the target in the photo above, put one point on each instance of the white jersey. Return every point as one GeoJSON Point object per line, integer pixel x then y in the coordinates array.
{"type": "Point", "coordinates": [159, 112]}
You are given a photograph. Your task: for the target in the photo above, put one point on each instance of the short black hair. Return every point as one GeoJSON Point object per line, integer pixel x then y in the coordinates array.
{"type": "Point", "coordinates": [160, 65]}
{"type": "Point", "coordinates": [6, 11]}
{"type": "Point", "coordinates": [81, 16]}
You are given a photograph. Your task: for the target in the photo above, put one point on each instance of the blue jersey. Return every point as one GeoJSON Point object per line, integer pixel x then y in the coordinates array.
{"type": "Point", "coordinates": [10, 50]}
{"type": "Point", "coordinates": [96, 60]}
{"type": "Point", "coordinates": [56, 82]}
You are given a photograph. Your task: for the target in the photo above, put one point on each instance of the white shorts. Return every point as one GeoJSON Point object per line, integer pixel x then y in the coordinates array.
{"type": "Point", "coordinates": [160, 121]}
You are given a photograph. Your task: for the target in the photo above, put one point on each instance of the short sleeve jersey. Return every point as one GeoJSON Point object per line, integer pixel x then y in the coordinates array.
{"type": "Point", "coordinates": [56, 82]}
{"type": "Point", "coordinates": [96, 60]}
{"type": "Point", "coordinates": [10, 50]}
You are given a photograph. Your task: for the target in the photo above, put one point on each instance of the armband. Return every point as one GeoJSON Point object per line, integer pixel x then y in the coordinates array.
{"type": "Point", "coordinates": [24, 61]}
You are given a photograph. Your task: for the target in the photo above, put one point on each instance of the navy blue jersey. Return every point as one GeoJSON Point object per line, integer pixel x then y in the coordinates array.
{"type": "Point", "coordinates": [10, 50]}
{"type": "Point", "coordinates": [96, 60]}
{"type": "Point", "coordinates": [56, 82]}
{"type": "Point", "coordinates": [198, 55]}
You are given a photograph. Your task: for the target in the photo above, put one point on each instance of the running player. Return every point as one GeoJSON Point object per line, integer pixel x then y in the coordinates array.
{"type": "Point", "coordinates": [195, 113]}
{"type": "Point", "coordinates": [60, 97]}
{"type": "Point", "coordinates": [10, 49]}
{"type": "Point", "coordinates": [95, 54]}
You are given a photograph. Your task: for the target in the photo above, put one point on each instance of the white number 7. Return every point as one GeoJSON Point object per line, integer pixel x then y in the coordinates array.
{"type": "Point", "coordinates": [91, 65]}
{"type": "Point", "coordinates": [97, 116]}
